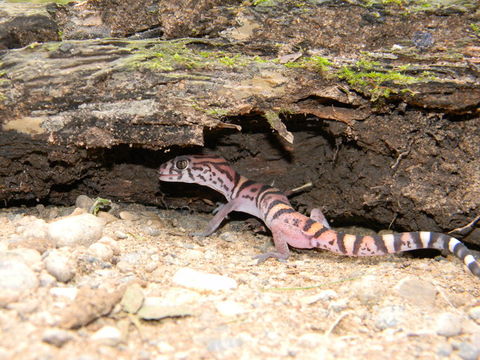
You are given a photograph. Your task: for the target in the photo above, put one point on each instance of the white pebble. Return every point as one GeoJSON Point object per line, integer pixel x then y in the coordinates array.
{"type": "Point", "coordinates": [16, 279]}
{"type": "Point", "coordinates": [474, 313]}
{"type": "Point", "coordinates": [230, 308]}
{"type": "Point", "coordinates": [56, 337]}
{"type": "Point", "coordinates": [389, 316]}
{"type": "Point", "coordinates": [59, 266]}
{"type": "Point", "coordinates": [83, 229]}
{"type": "Point", "coordinates": [66, 292]}
{"type": "Point", "coordinates": [101, 251]}
{"type": "Point", "coordinates": [108, 335]}
{"type": "Point", "coordinates": [449, 324]}
{"type": "Point", "coordinates": [127, 215]}
{"type": "Point", "coordinates": [198, 280]}
{"type": "Point", "coordinates": [417, 291]}
{"type": "Point", "coordinates": [83, 202]}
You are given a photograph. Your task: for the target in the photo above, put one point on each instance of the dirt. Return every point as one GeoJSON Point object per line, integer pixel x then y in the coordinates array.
{"type": "Point", "coordinates": [315, 305]}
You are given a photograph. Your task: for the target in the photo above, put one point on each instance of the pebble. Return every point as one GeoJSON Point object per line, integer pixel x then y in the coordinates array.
{"type": "Point", "coordinates": [31, 257]}
{"type": "Point", "coordinates": [83, 229]}
{"type": "Point", "coordinates": [16, 279]}
{"type": "Point", "coordinates": [467, 351]}
{"type": "Point", "coordinates": [47, 280]}
{"type": "Point", "coordinates": [59, 266]}
{"type": "Point", "coordinates": [155, 308]}
{"type": "Point", "coordinates": [417, 291]}
{"type": "Point", "coordinates": [125, 267]}
{"type": "Point", "coordinates": [474, 313]}
{"type": "Point", "coordinates": [199, 280]}
{"type": "Point", "coordinates": [84, 202]}
{"type": "Point", "coordinates": [132, 299]}
{"type": "Point", "coordinates": [444, 350]}
{"type": "Point", "coordinates": [368, 289]}
{"type": "Point", "coordinates": [338, 305]}
{"type": "Point", "coordinates": [108, 335]}
{"type": "Point", "coordinates": [120, 235]}
{"type": "Point", "coordinates": [56, 337]}
{"type": "Point", "coordinates": [389, 316]}
{"type": "Point", "coordinates": [127, 215]}
{"type": "Point", "coordinates": [223, 344]}
{"type": "Point", "coordinates": [112, 243]}
{"type": "Point", "coordinates": [101, 251]}
{"type": "Point", "coordinates": [230, 308]}
{"type": "Point", "coordinates": [449, 324]}
{"type": "Point", "coordinates": [66, 292]}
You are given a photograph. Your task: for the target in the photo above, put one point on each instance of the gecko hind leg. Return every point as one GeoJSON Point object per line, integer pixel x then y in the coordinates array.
{"type": "Point", "coordinates": [317, 215]}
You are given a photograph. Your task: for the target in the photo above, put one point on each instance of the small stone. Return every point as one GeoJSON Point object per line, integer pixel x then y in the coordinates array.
{"type": "Point", "coordinates": [107, 240]}
{"type": "Point", "coordinates": [230, 308]}
{"type": "Point", "coordinates": [108, 335]}
{"type": "Point", "coordinates": [66, 292]}
{"type": "Point", "coordinates": [229, 236]}
{"type": "Point", "coordinates": [31, 257]}
{"type": "Point", "coordinates": [389, 316]}
{"type": "Point", "coordinates": [474, 313]}
{"type": "Point", "coordinates": [449, 324]}
{"type": "Point", "coordinates": [59, 266]}
{"type": "Point", "coordinates": [127, 215]}
{"type": "Point", "coordinates": [368, 289]}
{"type": "Point", "coordinates": [16, 279]}
{"type": "Point", "coordinates": [223, 344]}
{"type": "Point", "coordinates": [56, 337]}
{"type": "Point", "coordinates": [132, 299]}
{"type": "Point", "coordinates": [83, 229]}
{"type": "Point", "coordinates": [120, 235]}
{"type": "Point", "coordinates": [467, 351]}
{"type": "Point", "coordinates": [198, 280]}
{"type": "Point", "coordinates": [107, 216]}
{"type": "Point", "coordinates": [154, 308]}
{"type": "Point", "coordinates": [444, 350]}
{"type": "Point", "coordinates": [125, 267]}
{"type": "Point", "coordinates": [151, 230]}
{"type": "Point", "coordinates": [151, 266]}
{"type": "Point", "coordinates": [417, 291]}
{"type": "Point", "coordinates": [338, 305]}
{"type": "Point", "coordinates": [101, 251]}
{"type": "Point", "coordinates": [83, 202]}
{"type": "Point", "coordinates": [47, 280]}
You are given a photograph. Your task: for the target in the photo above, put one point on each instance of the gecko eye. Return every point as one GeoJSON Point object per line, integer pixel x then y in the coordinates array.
{"type": "Point", "coordinates": [181, 164]}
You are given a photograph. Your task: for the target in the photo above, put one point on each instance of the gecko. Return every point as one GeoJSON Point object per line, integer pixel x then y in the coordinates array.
{"type": "Point", "coordinates": [289, 227]}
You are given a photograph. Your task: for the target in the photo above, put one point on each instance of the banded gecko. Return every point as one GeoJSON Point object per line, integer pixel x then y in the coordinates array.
{"type": "Point", "coordinates": [290, 227]}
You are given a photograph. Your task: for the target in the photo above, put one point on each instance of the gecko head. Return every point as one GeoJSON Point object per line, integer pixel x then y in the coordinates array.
{"type": "Point", "coordinates": [178, 169]}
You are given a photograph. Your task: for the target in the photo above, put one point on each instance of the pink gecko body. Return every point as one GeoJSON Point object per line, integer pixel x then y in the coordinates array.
{"type": "Point", "coordinates": [288, 226]}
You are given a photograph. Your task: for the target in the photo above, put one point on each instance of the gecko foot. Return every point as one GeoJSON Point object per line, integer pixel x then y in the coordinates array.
{"type": "Point", "coordinates": [272, 254]}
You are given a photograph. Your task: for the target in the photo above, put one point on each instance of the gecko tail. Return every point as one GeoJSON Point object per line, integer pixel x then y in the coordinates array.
{"type": "Point", "coordinates": [371, 245]}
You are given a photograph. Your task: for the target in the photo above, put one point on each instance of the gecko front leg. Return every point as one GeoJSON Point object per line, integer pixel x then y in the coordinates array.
{"type": "Point", "coordinates": [221, 214]}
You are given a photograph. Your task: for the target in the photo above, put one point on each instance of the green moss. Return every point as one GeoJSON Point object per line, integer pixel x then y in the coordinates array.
{"type": "Point", "coordinates": [40, 1]}
{"type": "Point", "coordinates": [175, 55]}
{"type": "Point", "coordinates": [475, 28]}
{"type": "Point", "coordinates": [368, 78]}
{"type": "Point", "coordinates": [316, 63]}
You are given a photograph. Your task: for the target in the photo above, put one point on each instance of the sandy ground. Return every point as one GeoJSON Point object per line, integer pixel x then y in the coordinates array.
{"type": "Point", "coordinates": [317, 305]}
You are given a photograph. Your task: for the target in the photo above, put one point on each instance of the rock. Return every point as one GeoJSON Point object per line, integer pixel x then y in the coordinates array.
{"type": "Point", "coordinates": [127, 215]}
{"type": "Point", "coordinates": [112, 243]}
{"type": "Point", "coordinates": [154, 308]}
{"type": "Point", "coordinates": [107, 216]}
{"type": "Point", "coordinates": [101, 251]}
{"type": "Point", "coordinates": [132, 299]}
{"type": "Point", "coordinates": [108, 335]}
{"type": "Point", "coordinates": [83, 229]}
{"type": "Point", "coordinates": [198, 280]}
{"type": "Point", "coordinates": [444, 350]}
{"type": "Point", "coordinates": [474, 313]}
{"type": "Point", "coordinates": [47, 280]}
{"type": "Point", "coordinates": [66, 292]}
{"type": "Point", "coordinates": [59, 266]}
{"type": "Point", "coordinates": [120, 235]}
{"type": "Point", "coordinates": [230, 308]}
{"type": "Point", "coordinates": [389, 316]}
{"type": "Point", "coordinates": [56, 337]}
{"type": "Point", "coordinates": [125, 267]}
{"type": "Point", "coordinates": [223, 344]}
{"type": "Point", "coordinates": [30, 257]}
{"type": "Point", "coordinates": [467, 351]}
{"type": "Point", "coordinates": [338, 305]}
{"type": "Point", "coordinates": [368, 289]}
{"type": "Point", "coordinates": [84, 202]}
{"type": "Point", "coordinates": [449, 324]}
{"type": "Point", "coordinates": [417, 291]}
{"type": "Point", "coordinates": [16, 279]}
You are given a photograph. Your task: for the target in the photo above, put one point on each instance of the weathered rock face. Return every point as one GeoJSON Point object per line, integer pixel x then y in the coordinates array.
{"type": "Point", "coordinates": [389, 135]}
